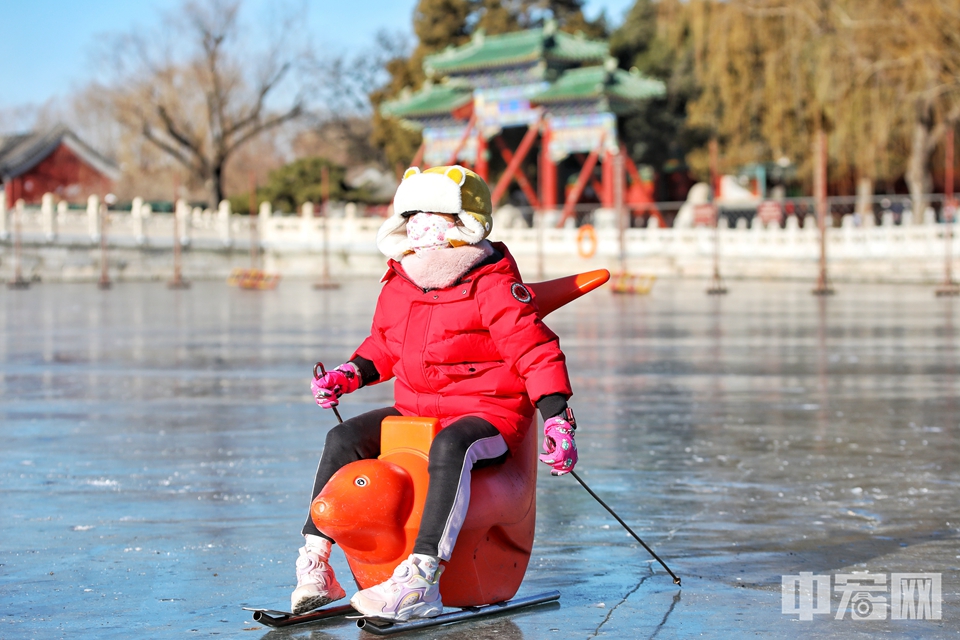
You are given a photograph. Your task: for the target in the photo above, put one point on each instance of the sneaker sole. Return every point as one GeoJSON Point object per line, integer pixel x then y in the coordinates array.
{"type": "Point", "coordinates": [307, 605]}
{"type": "Point", "coordinates": [419, 610]}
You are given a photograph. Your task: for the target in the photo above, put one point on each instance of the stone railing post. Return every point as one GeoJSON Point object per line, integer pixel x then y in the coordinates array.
{"type": "Point", "coordinates": [196, 218]}
{"type": "Point", "coordinates": [351, 219]}
{"type": "Point", "coordinates": [4, 217]}
{"type": "Point", "coordinates": [306, 219]}
{"type": "Point", "coordinates": [93, 217]}
{"type": "Point", "coordinates": [264, 215]}
{"type": "Point", "coordinates": [63, 210]}
{"type": "Point", "coordinates": [184, 221]}
{"type": "Point", "coordinates": [136, 213]}
{"type": "Point", "coordinates": [145, 212]}
{"type": "Point", "coordinates": [224, 228]}
{"type": "Point", "coordinates": [48, 217]}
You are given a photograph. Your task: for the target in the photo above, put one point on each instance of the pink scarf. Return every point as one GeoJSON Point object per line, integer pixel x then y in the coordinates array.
{"type": "Point", "coordinates": [442, 267]}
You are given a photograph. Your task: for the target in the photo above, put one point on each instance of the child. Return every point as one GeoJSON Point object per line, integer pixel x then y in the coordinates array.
{"type": "Point", "coordinates": [463, 338]}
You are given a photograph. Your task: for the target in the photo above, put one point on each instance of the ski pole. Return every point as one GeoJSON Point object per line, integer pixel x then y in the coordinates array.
{"type": "Point", "coordinates": [317, 376]}
{"type": "Point", "coordinates": [676, 579]}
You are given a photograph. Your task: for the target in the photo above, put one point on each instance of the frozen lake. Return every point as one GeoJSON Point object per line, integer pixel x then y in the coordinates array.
{"type": "Point", "coordinates": [159, 449]}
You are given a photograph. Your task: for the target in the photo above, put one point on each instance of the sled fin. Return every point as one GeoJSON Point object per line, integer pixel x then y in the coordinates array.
{"type": "Point", "coordinates": [553, 294]}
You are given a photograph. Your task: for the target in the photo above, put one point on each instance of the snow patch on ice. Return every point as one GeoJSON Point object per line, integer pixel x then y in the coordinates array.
{"type": "Point", "coordinates": [103, 482]}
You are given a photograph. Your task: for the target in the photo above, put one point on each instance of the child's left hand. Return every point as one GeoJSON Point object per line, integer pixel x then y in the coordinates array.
{"type": "Point", "coordinates": [559, 447]}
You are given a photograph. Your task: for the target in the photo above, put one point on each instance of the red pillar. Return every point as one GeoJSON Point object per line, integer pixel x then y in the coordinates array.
{"type": "Point", "coordinates": [418, 158]}
{"type": "Point", "coordinates": [607, 179]}
{"type": "Point", "coordinates": [481, 167]}
{"type": "Point", "coordinates": [714, 168]}
{"type": "Point", "coordinates": [548, 171]}
{"type": "Point", "coordinates": [948, 164]}
{"type": "Point", "coordinates": [573, 197]}
{"type": "Point", "coordinates": [513, 165]}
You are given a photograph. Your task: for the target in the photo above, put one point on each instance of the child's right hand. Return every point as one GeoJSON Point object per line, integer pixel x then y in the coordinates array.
{"type": "Point", "coordinates": [559, 447]}
{"type": "Point", "coordinates": [333, 384]}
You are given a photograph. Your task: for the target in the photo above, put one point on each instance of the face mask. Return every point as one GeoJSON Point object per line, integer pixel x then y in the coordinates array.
{"type": "Point", "coordinates": [427, 231]}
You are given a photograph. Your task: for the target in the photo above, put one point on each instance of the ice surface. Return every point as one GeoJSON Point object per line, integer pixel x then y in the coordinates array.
{"type": "Point", "coordinates": [159, 448]}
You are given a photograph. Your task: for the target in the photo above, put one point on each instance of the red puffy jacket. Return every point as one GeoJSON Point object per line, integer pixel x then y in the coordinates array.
{"type": "Point", "coordinates": [477, 347]}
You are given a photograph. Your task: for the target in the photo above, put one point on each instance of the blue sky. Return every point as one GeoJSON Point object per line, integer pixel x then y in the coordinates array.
{"type": "Point", "coordinates": [47, 45]}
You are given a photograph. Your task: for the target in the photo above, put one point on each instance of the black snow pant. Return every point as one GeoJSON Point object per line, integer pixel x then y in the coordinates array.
{"type": "Point", "coordinates": [468, 443]}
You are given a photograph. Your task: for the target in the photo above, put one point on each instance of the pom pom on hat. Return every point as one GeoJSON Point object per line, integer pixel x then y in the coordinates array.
{"type": "Point", "coordinates": [453, 190]}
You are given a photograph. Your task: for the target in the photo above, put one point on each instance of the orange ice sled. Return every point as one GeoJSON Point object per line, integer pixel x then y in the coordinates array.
{"type": "Point", "coordinates": [372, 508]}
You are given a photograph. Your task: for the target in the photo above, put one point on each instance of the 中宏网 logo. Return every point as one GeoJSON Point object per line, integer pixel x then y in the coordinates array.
{"type": "Point", "coordinates": [863, 596]}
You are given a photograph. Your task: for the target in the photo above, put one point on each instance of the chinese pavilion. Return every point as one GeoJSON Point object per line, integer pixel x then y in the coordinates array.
{"type": "Point", "coordinates": [541, 89]}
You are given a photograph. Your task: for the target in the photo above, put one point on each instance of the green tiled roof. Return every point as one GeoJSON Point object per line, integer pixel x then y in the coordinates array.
{"type": "Point", "coordinates": [431, 99]}
{"type": "Point", "coordinates": [621, 88]}
{"type": "Point", "coordinates": [532, 45]}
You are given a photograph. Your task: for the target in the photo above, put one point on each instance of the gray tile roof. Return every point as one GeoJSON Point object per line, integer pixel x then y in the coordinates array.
{"type": "Point", "coordinates": [21, 152]}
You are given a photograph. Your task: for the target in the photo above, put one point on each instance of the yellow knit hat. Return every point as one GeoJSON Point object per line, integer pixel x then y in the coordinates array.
{"type": "Point", "coordinates": [453, 190]}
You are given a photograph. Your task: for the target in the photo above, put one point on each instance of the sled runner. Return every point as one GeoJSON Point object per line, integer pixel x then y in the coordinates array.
{"type": "Point", "coordinates": [376, 626]}
{"type": "Point", "coordinates": [274, 618]}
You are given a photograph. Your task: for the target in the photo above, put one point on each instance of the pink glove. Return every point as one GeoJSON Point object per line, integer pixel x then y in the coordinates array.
{"type": "Point", "coordinates": [333, 384]}
{"type": "Point", "coordinates": [559, 447]}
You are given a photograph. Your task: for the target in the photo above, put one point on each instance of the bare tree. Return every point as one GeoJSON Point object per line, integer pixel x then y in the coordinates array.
{"type": "Point", "coordinates": [202, 85]}
{"type": "Point", "coordinates": [345, 122]}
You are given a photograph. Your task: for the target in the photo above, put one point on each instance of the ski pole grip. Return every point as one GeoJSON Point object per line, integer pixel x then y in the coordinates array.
{"type": "Point", "coordinates": [318, 372]}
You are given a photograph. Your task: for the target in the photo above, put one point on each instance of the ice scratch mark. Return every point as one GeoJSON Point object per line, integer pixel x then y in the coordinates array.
{"type": "Point", "coordinates": [596, 631]}
{"type": "Point", "coordinates": [676, 599]}
{"type": "Point", "coordinates": [672, 532]}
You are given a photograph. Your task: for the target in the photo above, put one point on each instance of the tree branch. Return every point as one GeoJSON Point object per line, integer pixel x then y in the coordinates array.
{"type": "Point", "coordinates": [257, 108]}
{"type": "Point", "coordinates": [295, 112]}
{"type": "Point", "coordinates": [199, 168]}
{"type": "Point", "coordinates": [174, 132]}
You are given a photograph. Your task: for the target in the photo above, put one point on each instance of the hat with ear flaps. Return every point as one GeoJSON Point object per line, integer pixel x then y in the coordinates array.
{"type": "Point", "coordinates": [453, 190]}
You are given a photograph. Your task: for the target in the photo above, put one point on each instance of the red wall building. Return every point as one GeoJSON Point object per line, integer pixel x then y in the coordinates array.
{"type": "Point", "coordinates": [56, 162]}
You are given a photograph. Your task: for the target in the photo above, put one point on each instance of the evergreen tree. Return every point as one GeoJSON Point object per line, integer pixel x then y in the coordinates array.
{"type": "Point", "coordinates": [495, 18]}
{"type": "Point", "coordinates": [655, 38]}
{"type": "Point", "coordinates": [291, 185]}
{"type": "Point", "coordinates": [568, 14]}
{"type": "Point", "coordinates": [570, 18]}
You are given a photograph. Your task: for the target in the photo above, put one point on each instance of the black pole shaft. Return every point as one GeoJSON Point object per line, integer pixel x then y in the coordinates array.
{"type": "Point", "coordinates": [676, 580]}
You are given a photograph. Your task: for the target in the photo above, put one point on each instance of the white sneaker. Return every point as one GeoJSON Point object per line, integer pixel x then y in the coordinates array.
{"type": "Point", "coordinates": [413, 591]}
{"type": "Point", "coordinates": [316, 584]}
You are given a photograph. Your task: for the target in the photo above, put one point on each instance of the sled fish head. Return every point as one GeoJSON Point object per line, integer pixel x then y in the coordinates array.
{"type": "Point", "coordinates": [364, 506]}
